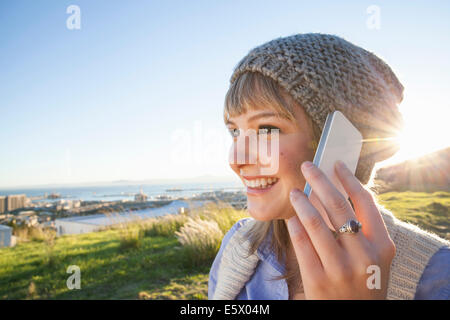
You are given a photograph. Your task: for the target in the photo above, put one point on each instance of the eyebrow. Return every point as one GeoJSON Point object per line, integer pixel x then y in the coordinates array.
{"type": "Point", "coordinates": [258, 116]}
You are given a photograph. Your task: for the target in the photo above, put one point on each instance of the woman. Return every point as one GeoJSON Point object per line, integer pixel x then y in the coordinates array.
{"type": "Point", "coordinates": [285, 88]}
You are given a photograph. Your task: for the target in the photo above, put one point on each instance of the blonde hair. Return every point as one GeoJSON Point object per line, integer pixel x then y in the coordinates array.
{"type": "Point", "coordinates": [253, 90]}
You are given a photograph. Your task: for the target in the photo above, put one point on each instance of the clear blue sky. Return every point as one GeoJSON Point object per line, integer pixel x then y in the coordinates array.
{"type": "Point", "coordinates": [104, 102]}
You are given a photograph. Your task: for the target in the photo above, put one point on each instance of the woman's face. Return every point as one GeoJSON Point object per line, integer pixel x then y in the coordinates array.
{"type": "Point", "coordinates": [270, 200]}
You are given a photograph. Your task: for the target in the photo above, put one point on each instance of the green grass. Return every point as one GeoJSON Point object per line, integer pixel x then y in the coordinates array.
{"type": "Point", "coordinates": [135, 261]}
{"type": "Point", "coordinates": [123, 264]}
{"type": "Point", "coordinates": [429, 211]}
{"type": "Point", "coordinates": [107, 270]}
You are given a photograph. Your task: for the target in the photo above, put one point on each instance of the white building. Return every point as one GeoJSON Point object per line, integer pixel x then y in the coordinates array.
{"type": "Point", "coordinates": [76, 225]}
{"type": "Point", "coordinates": [6, 237]}
{"type": "Point", "coordinates": [67, 204]}
{"type": "Point", "coordinates": [90, 223]}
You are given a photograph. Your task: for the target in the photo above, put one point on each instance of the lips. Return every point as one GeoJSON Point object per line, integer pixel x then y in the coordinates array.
{"type": "Point", "coordinates": [259, 185]}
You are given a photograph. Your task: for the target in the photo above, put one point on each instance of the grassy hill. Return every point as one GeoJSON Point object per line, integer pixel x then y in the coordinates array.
{"type": "Point", "coordinates": [429, 211]}
{"type": "Point", "coordinates": [148, 261]}
{"type": "Point", "coordinates": [133, 261]}
{"type": "Point", "coordinates": [107, 271]}
{"type": "Point", "coordinates": [427, 173]}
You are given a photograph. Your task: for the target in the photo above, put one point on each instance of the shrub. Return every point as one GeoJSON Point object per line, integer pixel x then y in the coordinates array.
{"type": "Point", "coordinates": [222, 213]}
{"type": "Point", "coordinates": [164, 226]}
{"type": "Point", "coordinates": [48, 237]}
{"type": "Point", "coordinates": [26, 233]}
{"type": "Point", "coordinates": [201, 241]}
{"type": "Point", "coordinates": [45, 235]}
{"type": "Point", "coordinates": [131, 236]}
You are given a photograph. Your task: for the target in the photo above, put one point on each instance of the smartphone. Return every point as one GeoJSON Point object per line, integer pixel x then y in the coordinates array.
{"type": "Point", "coordinates": [340, 140]}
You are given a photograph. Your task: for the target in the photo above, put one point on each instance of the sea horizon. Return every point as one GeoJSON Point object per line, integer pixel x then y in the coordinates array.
{"type": "Point", "coordinates": [123, 191]}
{"type": "Point", "coordinates": [202, 178]}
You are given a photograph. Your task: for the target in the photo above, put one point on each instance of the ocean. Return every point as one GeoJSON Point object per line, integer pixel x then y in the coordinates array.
{"type": "Point", "coordinates": [112, 192]}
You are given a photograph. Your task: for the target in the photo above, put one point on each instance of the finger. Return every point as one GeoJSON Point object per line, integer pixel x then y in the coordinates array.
{"type": "Point", "coordinates": [307, 258]}
{"type": "Point", "coordinates": [321, 237]}
{"type": "Point", "coordinates": [337, 207]}
{"type": "Point", "coordinates": [365, 208]}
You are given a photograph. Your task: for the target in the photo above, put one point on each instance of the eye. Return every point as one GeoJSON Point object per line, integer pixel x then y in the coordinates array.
{"type": "Point", "coordinates": [267, 129]}
{"type": "Point", "coordinates": [234, 132]}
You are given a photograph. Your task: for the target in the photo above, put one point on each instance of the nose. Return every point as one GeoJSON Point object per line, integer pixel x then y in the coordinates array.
{"type": "Point", "coordinates": [244, 149]}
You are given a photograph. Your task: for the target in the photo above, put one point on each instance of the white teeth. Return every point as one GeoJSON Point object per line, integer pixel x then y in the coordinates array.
{"type": "Point", "coordinates": [260, 183]}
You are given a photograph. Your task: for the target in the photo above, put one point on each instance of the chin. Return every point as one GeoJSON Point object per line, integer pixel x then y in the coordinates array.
{"type": "Point", "coordinates": [263, 212]}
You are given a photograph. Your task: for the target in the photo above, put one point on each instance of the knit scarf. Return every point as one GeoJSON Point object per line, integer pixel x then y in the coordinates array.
{"type": "Point", "coordinates": [414, 248]}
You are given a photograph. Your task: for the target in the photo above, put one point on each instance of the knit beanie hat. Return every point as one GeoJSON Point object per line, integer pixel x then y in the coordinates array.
{"type": "Point", "coordinates": [324, 73]}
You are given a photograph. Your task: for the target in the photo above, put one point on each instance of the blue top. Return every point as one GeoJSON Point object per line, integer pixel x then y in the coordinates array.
{"type": "Point", "coordinates": [434, 283]}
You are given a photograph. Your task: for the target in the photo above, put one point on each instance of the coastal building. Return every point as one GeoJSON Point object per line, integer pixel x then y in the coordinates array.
{"type": "Point", "coordinates": [26, 213]}
{"type": "Point", "coordinates": [140, 197]}
{"type": "Point", "coordinates": [6, 237]}
{"type": "Point", "coordinates": [77, 225]}
{"type": "Point", "coordinates": [15, 201]}
{"type": "Point", "coordinates": [53, 196]}
{"type": "Point", "coordinates": [28, 218]}
{"type": "Point", "coordinates": [163, 197]}
{"type": "Point", "coordinates": [67, 204]}
{"type": "Point", "coordinates": [2, 204]}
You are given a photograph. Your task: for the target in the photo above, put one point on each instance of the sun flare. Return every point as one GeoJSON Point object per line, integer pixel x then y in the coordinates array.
{"type": "Point", "coordinates": [419, 137]}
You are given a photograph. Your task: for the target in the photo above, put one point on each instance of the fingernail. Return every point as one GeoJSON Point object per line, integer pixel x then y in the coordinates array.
{"type": "Point", "coordinates": [341, 165]}
{"type": "Point", "coordinates": [307, 164]}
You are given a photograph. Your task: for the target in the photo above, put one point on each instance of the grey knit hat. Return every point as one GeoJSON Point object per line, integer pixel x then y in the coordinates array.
{"type": "Point", "coordinates": [324, 73]}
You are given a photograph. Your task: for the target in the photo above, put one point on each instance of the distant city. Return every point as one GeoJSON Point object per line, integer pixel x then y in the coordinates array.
{"type": "Point", "coordinates": [13, 202]}
{"type": "Point", "coordinates": [82, 210]}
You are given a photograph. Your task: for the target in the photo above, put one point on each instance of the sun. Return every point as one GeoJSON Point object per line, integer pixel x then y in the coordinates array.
{"type": "Point", "coordinates": [418, 137]}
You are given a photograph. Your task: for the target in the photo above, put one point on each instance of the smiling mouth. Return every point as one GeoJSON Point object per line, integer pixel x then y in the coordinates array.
{"type": "Point", "coordinates": [262, 183]}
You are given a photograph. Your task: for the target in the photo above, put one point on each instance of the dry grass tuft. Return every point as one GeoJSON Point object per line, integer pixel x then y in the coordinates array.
{"type": "Point", "coordinates": [201, 240]}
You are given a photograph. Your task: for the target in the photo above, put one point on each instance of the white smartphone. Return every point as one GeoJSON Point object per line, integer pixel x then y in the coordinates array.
{"type": "Point", "coordinates": [340, 140]}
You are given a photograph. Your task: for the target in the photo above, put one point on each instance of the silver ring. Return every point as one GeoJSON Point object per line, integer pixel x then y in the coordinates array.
{"type": "Point", "coordinates": [351, 226]}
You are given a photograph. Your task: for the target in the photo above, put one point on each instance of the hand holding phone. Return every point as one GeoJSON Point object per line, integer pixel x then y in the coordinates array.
{"type": "Point", "coordinates": [333, 265]}
{"type": "Point", "coordinates": [340, 140]}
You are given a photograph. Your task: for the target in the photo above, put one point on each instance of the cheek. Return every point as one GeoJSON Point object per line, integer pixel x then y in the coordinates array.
{"type": "Point", "coordinates": [290, 166]}
{"type": "Point", "coordinates": [278, 206]}
{"type": "Point", "coordinates": [291, 162]}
